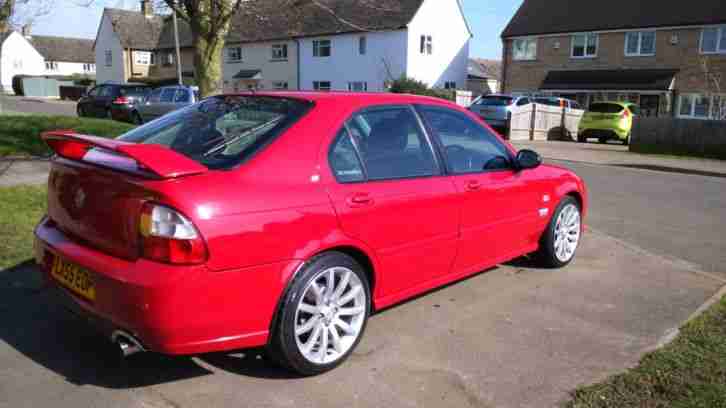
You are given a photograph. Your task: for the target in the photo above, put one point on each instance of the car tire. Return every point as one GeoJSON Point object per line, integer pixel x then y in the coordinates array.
{"type": "Point", "coordinates": [136, 118]}
{"type": "Point", "coordinates": [581, 139]}
{"type": "Point", "coordinates": [626, 141]}
{"type": "Point", "coordinates": [319, 324]}
{"type": "Point", "coordinates": [80, 112]}
{"type": "Point", "coordinates": [560, 240]}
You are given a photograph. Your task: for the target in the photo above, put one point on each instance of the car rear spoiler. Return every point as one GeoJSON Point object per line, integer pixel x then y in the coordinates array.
{"type": "Point", "coordinates": [135, 158]}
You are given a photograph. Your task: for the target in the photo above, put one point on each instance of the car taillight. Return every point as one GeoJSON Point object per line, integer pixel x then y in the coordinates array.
{"type": "Point", "coordinates": [626, 113]}
{"type": "Point", "coordinates": [121, 100]}
{"type": "Point", "coordinates": [168, 236]}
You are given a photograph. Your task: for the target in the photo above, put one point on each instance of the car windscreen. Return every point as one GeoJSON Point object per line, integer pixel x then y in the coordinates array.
{"type": "Point", "coordinates": [222, 131]}
{"type": "Point", "coordinates": [605, 108]}
{"type": "Point", "coordinates": [495, 101]}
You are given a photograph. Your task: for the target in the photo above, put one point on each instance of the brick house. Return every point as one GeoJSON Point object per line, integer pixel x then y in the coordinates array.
{"type": "Point", "coordinates": [666, 56]}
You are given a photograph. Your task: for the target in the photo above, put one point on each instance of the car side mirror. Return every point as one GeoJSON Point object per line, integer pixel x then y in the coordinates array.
{"type": "Point", "coordinates": [528, 159]}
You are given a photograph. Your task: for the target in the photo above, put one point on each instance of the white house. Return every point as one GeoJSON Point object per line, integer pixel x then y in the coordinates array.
{"type": "Point", "coordinates": [17, 57]}
{"type": "Point", "coordinates": [65, 56]}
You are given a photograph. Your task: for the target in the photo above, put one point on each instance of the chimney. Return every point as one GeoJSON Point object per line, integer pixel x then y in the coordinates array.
{"type": "Point", "coordinates": [26, 31]}
{"type": "Point", "coordinates": [147, 8]}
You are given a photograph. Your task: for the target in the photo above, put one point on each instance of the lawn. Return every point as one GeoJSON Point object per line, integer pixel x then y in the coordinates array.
{"type": "Point", "coordinates": [689, 372]}
{"type": "Point", "coordinates": [20, 134]}
{"type": "Point", "coordinates": [20, 209]}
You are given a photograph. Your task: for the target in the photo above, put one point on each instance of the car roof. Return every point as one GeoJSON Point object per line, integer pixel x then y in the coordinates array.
{"type": "Point", "coordinates": [356, 98]}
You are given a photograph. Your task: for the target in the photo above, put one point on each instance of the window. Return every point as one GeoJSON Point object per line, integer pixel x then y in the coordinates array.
{"type": "Point", "coordinates": [584, 45]}
{"type": "Point", "coordinates": [182, 96]}
{"type": "Point", "coordinates": [167, 95]}
{"type": "Point", "coordinates": [450, 85]}
{"type": "Point", "coordinates": [168, 59]}
{"type": "Point", "coordinates": [392, 144]}
{"type": "Point", "coordinates": [51, 66]}
{"type": "Point", "coordinates": [89, 67]}
{"type": "Point", "coordinates": [524, 49]}
{"type": "Point", "coordinates": [697, 106]}
{"type": "Point", "coordinates": [108, 58]}
{"type": "Point", "coordinates": [362, 45]}
{"type": "Point", "coordinates": [321, 85]}
{"type": "Point", "coordinates": [105, 91]}
{"type": "Point", "coordinates": [94, 92]}
{"type": "Point", "coordinates": [640, 43]}
{"type": "Point", "coordinates": [523, 101]}
{"type": "Point", "coordinates": [427, 45]}
{"type": "Point", "coordinates": [142, 57]}
{"type": "Point", "coordinates": [152, 58]}
{"type": "Point", "coordinates": [279, 85]}
{"type": "Point", "coordinates": [321, 48]}
{"type": "Point", "coordinates": [713, 40]}
{"type": "Point", "coordinates": [279, 51]}
{"type": "Point", "coordinates": [358, 86]}
{"type": "Point", "coordinates": [344, 160]}
{"type": "Point", "coordinates": [234, 54]}
{"type": "Point", "coordinates": [468, 147]}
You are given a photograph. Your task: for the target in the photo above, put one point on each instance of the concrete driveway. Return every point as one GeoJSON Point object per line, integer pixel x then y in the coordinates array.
{"type": "Point", "coordinates": [37, 105]}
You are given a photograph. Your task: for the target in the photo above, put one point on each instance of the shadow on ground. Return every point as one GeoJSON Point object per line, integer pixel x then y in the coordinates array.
{"type": "Point", "coordinates": [672, 170]}
{"type": "Point", "coordinates": [36, 325]}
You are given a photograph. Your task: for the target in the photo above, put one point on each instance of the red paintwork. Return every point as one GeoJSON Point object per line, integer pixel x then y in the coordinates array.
{"type": "Point", "coordinates": [262, 220]}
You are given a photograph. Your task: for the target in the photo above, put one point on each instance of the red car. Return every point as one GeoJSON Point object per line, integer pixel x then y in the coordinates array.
{"type": "Point", "coordinates": [285, 219]}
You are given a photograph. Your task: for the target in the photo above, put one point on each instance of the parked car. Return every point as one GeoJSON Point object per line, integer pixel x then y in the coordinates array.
{"type": "Point", "coordinates": [100, 100]}
{"type": "Point", "coordinates": [496, 110]}
{"type": "Point", "coordinates": [608, 121]}
{"type": "Point", "coordinates": [162, 101]}
{"type": "Point", "coordinates": [558, 102]}
{"type": "Point", "coordinates": [284, 219]}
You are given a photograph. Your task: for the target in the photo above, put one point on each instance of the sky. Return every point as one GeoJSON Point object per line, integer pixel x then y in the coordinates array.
{"type": "Point", "coordinates": [487, 19]}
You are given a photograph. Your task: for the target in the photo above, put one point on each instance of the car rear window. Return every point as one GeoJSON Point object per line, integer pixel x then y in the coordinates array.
{"type": "Point", "coordinates": [605, 108]}
{"type": "Point", "coordinates": [222, 131]}
{"type": "Point", "coordinates": [495, 101]}
{"type": "Point", "coordinates": [134, 91]}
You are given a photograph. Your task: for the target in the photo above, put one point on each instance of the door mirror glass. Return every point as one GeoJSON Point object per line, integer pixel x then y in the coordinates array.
{"type": "Point", "coordinates": [528, 159]}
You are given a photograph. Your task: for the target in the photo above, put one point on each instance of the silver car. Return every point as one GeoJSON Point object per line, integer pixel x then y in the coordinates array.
{"type": "Point", "coordinates": [496, 109]}
{"type": "Point", "coordinates": [162, 101]}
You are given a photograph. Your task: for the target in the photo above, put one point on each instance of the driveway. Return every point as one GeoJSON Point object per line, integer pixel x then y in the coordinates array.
{"type": "Point", "coordinates": [37, 105]}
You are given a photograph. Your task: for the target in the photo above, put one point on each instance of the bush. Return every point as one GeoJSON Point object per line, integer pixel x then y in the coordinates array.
{"type": "Point", "coordinates": [412, 86]}
{"type": "Point", "coordinates": [20, 134]}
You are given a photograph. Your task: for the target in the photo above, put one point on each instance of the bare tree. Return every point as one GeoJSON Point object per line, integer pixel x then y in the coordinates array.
{"type": "Point", "coordinates": [18, 13]}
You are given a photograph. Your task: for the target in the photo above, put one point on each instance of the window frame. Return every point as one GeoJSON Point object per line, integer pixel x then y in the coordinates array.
{"type": "Point", "coordinates": [448, 85]}
{"type": "Point", "coordinates": [692, 96]}
{"type": "Point", "coordinates": [440, 148]}
{"type": "Point", "coordinates": [525, 40]}
{"type": "Point", "coordinates": [639, 52]}
{"type": "Point", "coordinates": [317, 87]}
{"type": "Point", "coordinates": [281, 49]}
{"type": "Point", "coordinates": [428, 141]}
{"type": "Point", "coordinates": [318, 47]}
{"type": "Point", "coordinates": [352, 83]}
{"type": "Point", "coordinates": [720, 35]}
{"type": "Point", "coordinates": [587, 37]}
{"type": "Point", "coordinates": [108, 58]}
{"type": "Point", "coordinates": [362, 45]}
{"type": "Point", "coordinates": [427, 44]}
{"type": "Point", "coordinates": [345, 132]}
{"type": "Point", "coordinates": [277, 85]}
{"type": "Point", "coordinates": [234, 55]}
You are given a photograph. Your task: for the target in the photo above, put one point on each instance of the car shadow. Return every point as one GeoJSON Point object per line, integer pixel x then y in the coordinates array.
{"type": "Point", "coordinates": [39, 328]}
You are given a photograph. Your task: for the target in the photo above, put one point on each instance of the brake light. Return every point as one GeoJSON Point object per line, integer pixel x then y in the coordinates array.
{"type": "Point", "coordinates": [121, 100]}
{"type": "Point", "coordinates": [626, 113]}
{"type": "Point", "coordinates": [70, 149]}
{"type": "Point", "coordinates": [168, 236]}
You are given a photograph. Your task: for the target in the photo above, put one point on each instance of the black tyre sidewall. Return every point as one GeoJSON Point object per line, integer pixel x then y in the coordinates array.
{"type": "Point", "coordinates": [284, 345]}
{"type": "Point", "coordinates": [547, 250]}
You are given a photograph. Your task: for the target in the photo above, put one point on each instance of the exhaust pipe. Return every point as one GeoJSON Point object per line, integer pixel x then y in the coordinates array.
{"type": "Point", "coordinates": [126, 343]}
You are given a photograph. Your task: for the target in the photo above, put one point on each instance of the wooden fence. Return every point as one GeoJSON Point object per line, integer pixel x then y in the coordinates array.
{"type": "Point", "coordinates": [544, 122]}
{"type": "Point", "coordinates": [692, 137]}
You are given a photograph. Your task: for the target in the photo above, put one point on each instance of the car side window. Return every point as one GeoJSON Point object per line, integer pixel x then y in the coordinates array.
{"type": "Point", "coordinates": [155, 96]}
{"type": "Point", "coordinates": [167, 94]}
{"type": "Point", "coordinates": [94, 92]}
{"type": "Point", "coordinates": [523, 101]}
{"type": "Point", "coordinates": [467, 146]}
{"type": "Point", "coordinates": [392, 143]}
{"type": "Point", "coordinates": [344, 159]}
{"type": "Point", "coordinates": [104, 91]}
{"type": "Point", "coordinates": [182, 95]}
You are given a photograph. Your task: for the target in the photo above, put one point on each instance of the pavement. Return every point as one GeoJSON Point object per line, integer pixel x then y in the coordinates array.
{"type": "Point", "coordinates": [513, 336]}
{"type": "Point", "coordinates": [23, 171]}
{"type": "Point", "coordinates": [37, 105]}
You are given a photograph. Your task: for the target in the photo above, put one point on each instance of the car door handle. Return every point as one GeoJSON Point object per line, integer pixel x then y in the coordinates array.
{"type": "Point", "coordinates": [473, 185]}
{"type": "Point", "coordinates": [360, 200]}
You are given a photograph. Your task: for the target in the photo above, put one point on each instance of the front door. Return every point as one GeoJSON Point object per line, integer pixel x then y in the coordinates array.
{"type": "Point", "coordinates": [391, 196]}
{"type": "Point", "coordinates": [499, 213]}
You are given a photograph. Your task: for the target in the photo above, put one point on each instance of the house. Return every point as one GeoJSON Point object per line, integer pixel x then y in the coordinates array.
{"type": "Point", "coordinates": [65, 56]}
{"type": "Point", "coordinates": [483, 76]}
{"type": "Point", "coordinates": [362, 47]}
{"type": "Point", "coordinates": [668, 57]}
{"type": "Point", "coordinates": [17, 57]}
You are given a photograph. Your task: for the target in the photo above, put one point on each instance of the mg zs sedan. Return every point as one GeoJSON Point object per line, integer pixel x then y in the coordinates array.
{"type": "Point", "coordinates": [285, 219]}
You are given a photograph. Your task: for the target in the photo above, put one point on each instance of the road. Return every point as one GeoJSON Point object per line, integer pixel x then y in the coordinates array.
{"type": "Point", "coordinates": [37, 105]}
{"type": "Point", "coordinates": [514, 336]}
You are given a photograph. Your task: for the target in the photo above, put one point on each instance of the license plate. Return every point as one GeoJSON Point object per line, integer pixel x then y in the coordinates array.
{"type": "Point", "coordinates": [74, 278]}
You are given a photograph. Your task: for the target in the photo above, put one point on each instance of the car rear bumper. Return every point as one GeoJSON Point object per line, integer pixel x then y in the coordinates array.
{"type": "Point", "coordinates": [121, 113]}
{"type": "Point", "coordinates": [603, 133]}
{"type": "Point", "coordinates": [169, 309]}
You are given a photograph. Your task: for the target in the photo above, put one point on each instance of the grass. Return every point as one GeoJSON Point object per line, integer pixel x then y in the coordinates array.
{"type": "Point", "coordinates": [20, 209]}
{"type": "Point", "coordinates": [689, 372]}
{"type": "Point", "coordinates": [20, 134]}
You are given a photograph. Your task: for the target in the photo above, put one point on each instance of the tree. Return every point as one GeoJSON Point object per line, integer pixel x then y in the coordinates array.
{"type": "Point", "coordinates": [17, 13]}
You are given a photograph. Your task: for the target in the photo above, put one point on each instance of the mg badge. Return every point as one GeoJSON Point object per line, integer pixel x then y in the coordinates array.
{"type": "Point", "coordinates": [80, 198]}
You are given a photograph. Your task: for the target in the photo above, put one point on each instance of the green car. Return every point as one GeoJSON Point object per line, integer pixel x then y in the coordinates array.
{"type": "Point", "coordinates": [607, 121]}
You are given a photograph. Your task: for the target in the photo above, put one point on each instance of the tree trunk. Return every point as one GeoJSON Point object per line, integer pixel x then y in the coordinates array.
{"type": "Point", "coordinates": [208, 63]}
{"type": "Point", "coordinates": [6, 10]}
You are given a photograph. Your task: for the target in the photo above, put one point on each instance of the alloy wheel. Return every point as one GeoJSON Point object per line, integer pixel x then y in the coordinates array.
{"type": "Point", "coordinates": [567, 233]}
{"type": "Point", "coordinates": [330, 315]}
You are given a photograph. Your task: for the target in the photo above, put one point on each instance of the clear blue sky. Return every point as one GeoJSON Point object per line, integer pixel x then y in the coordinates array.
{"type": "Point", "coordinates": [487, 19]}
